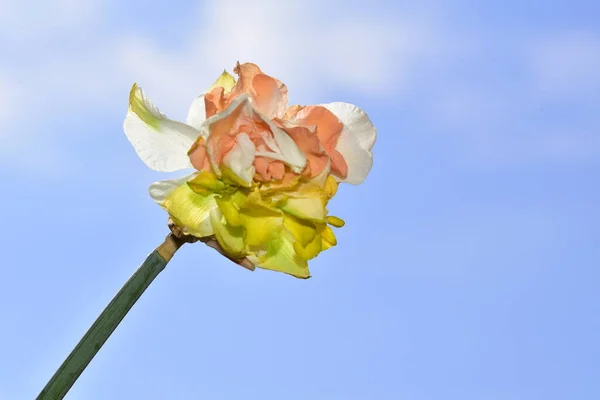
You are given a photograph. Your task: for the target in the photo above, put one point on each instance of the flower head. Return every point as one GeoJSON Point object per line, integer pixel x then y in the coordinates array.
{"type": "Point", "coordinates": [264, 172]}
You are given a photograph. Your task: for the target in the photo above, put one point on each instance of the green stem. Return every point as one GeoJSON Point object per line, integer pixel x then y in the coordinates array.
{"type": "Point", "coordinates": [107, 322]}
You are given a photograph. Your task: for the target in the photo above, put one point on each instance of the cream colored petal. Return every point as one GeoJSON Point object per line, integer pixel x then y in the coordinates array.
{"type": "Point", "coordinates": [282, 145]}
{"type": "Point", "coordinates": [285, 149]}
{"type": "Point", "coordinates": [160, 190]}
{"type": "Point", "coordinates": [161, 143]}
{"type": "Point", "coordinates": [240, 159]}
{"type": "Point", "coordinates": [242, 102]}
{"type": "Point", "coordinates": [197, 113]}
{"type": "Point", "coordinates": [356, 140]}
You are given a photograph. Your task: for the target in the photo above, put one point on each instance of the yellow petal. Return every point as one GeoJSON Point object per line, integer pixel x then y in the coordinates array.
{"type": "Point", "coordinates": [281, 257]}
{"type": "Point", "coordinates": [311, 250]}
{"type": "Point", "coordinates": [309, 208]}
{"type": "Point", "coordinates": [331, 186]}
{"type": "Point", "coordinates": [225, 80]}
{"type": "Point", "coordinates": [190, 210]}
{"type": "Point", "coordinates": [232, 178]}
{"type": "Point", "coordinates": [335, 221]}
{"type": "Point", "coordinates": [328, 239]}
{"type": "Point", "coordinates": [229, 210]}
{"type": "Point", "coordinates": [269, 188]}
{"type": "Point", "coordinates": [255, 200]}
{"type": "Point", "coordinates": [206, 183]}
{"type": "Point", "coordinates": [303, 231]}
{"type": "Point", "coordinates": [230, 238]}
{"type": "Point", "coordinates": [262, 225]}
{"type": "Point", "coordinates": [261, 221]}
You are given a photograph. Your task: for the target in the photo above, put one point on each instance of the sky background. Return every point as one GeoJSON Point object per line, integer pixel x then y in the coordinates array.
{"type": "Point", "coordinates": [469, 265]}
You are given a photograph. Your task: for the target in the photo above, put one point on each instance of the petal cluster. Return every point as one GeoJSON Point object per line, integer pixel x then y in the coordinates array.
{"type": "Point", "coordinates": [264, 172]}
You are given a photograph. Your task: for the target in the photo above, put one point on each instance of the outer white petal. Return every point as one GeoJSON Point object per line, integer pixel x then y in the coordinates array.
{"type": "Point", "coordinates": [197, 113]}
{"type": "Point", "coordinates": [356, 141]}
{"type": "Point", "coordinates": [159, 191]}
{"type": "Point", "coordinates": [161, 143]}
{"type": "Point", "coordinates": [240, 159]}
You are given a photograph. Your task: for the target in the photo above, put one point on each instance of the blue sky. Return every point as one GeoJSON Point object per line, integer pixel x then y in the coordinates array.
{"type": "Point", "coordinates": [468, 268]}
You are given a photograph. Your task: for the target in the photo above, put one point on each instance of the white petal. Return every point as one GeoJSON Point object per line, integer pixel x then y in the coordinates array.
{"type": "Point", "coordinates": [287, 148]}
{"type": "Point", "coordinates": [161, 143]}
{"type": "Point", "coordinates": [197, 113]}
{"type": "Point", "coordinates": [237, 102]}
{"type": "Point", "coordinates": [356, 140]}
{"type": "Point", "coordinates": [240, 159]}
{"type": "Point", "coordinates": [159, 191]}
{"type": "Point", "coordinates": [240, 101]}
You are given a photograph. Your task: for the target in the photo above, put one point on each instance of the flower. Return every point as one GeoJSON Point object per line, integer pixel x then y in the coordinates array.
{"type": "Point", "coordinates": [263, 172]}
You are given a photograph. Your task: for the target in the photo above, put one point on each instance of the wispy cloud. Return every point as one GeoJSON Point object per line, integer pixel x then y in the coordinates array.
{"type": "Point", "coordinates": [497, 95]}
{"type": "Point", "coordinates": [533, 102]}
{"type": "Point", "coordinates": [567, 63]}
{"type": "Point", "coordinates": [336, 48]}
{"type": "Point", "coordinates": [9, 99]}
{"type": "Point", "coordinates": [72, 63]}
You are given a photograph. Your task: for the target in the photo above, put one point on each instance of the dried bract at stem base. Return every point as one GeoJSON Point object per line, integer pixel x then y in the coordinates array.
{"type": "Point", "coordinates": [210, 241]}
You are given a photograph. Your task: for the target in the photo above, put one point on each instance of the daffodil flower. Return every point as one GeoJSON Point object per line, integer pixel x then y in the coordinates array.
{"type": "Point", "coordinates": [264, 172]}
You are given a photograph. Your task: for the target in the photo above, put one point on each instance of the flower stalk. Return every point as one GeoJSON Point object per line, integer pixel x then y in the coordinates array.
{"type": "Point", "coordinates": [70, 370]}
{"type": "Point", "coordinates": [264, 174]}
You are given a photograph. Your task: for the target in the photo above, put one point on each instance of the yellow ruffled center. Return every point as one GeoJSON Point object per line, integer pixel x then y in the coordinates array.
{"type": "Point", "coordinates": [277, 228]}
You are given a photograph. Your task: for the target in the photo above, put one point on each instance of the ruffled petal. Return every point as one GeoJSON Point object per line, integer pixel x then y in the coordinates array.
{"type": "Point", "coordinates": [269, 95]}
{"type": "Point", "coordinates": [222, 129]}
{"type": "Point", "coordinates": [328, 129]}
{"type": "Point", "coordinates": [240, 159]}
{"type": "Point", "coordinates": [285, 149]}
{"type": "Point", "coordinates": [231, 238]}
{"type": "Point", "coordinates": [282, 257]}
{"type": "Point", "coordinates": [188, 209]}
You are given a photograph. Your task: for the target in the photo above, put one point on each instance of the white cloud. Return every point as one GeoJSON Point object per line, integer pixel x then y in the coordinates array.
{"type": "Point", "coordinates": [71, 63]}
{"type": "Point", "coordinates": [518, 148]}
{"type": "Point", "coordinates": [515, 124]}
{"type": "Point", "coordinates": [535, 106]}
{"type": "Point", "coordinates": [289, 41]}
{"type": "Point", "coordinates": [567, 62]}
{"type": "Point", "coordinates": [24, 21]}
{"type": "Point", "coordinates": [9, 100]}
